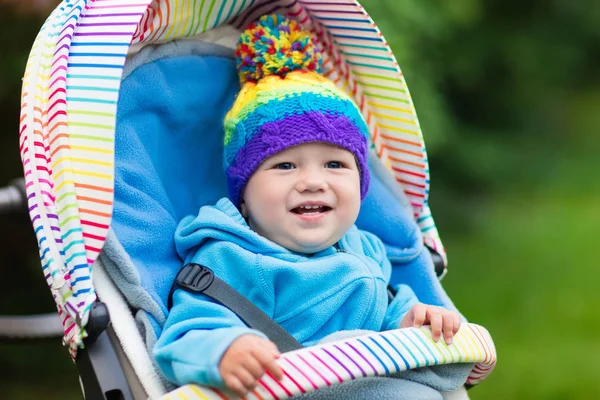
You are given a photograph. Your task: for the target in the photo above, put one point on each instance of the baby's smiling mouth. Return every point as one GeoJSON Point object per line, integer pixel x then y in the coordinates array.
{"type": "Point", "coordinates": [310, 209]}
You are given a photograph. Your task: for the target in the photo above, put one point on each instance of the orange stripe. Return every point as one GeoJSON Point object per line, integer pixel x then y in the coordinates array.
{"type": "Point", "coordinates": [62, 146]}
{"type": "Point", "coordinates": [258, 396]}
{"type": "Point", "coordinates": [404, 171]}
{"type": "Point", "coordinates": [62, 123]}
{"type": "Point", "coordinates": [416, 144]}
{"type": "Point", "coordinates": [406, 162]}
{"type": "Point", "coordinates": [63, 135]}
{"type": "Point", "coordinates": [405, 182]}
{"type": "Point", "coordinates": [412, 153]}
{"type": "Point", "coordinates": [91, 199]}
{"type": "Point", "coordinates": [221, 395]}
{"type": "Point", "coordinates": [98, 213]}
{"type": "Point", "coordinates": [92, 187]}
{"type": "Point", "coordinates": [160, 18]}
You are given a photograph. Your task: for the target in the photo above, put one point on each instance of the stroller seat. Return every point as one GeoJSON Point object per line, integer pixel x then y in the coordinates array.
{"type": "Point", "coordinates": [129, 148]}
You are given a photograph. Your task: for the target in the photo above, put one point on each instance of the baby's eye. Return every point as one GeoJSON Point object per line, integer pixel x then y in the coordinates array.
{"type": "Point", "coordinates": [334, 164]}
{"type": "Point", "coordinates": [284, 165]}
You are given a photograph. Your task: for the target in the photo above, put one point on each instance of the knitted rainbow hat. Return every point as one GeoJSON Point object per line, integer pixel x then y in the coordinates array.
{"type": "Point", "coordinates": [285, 101]}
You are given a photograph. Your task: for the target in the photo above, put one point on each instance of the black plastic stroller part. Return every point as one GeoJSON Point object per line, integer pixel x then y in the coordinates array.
{"type": "Point", "coordinates": [101, 373]}
{"type": "Point", "coordinates": [438, 262]}
{"type": "Point", "coordinates": [196, 278]}
{"type": "Point", "coordinates": [13, 197]}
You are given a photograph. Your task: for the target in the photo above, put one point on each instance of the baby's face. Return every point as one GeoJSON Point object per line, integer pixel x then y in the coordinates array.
{"type": "Point", "coordinates": [304, 198]}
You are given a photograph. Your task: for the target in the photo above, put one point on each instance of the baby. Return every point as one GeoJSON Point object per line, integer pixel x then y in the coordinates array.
{"type": "Point", "coordinates": [295, 158]}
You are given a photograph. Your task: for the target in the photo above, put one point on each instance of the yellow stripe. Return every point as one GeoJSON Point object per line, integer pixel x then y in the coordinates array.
{"type": "Point", "coordinates": [471, 337]}
{"type": "Point", "coordinates": [463, 350]}
{"type": "Point", "coordinates": [57, 189]}
{"type": "Point", "coordinates": [194, 389]}
{"type": "Point", "coordinates": [83, 173]}
{"type": "Point", "coordinates": [393, 128]}
{"type": "Point", "coordinates": [406, 121]}
{"type": "Point", "coordinates": [378, 105]}
{"type": "Point", "coordinates": [181, 395]}
{"type": "Point", "coordinates": [94, 149]}
{"type": "Point", "coordinates": [174, 8]}
{"type": "Point", "coordinates": [470, 349]}
{"type": "Point", "coordinates": [81, 160]}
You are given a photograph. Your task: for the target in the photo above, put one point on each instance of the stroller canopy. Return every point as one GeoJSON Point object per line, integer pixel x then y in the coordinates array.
{"type": "Point", "coordinates": [69, 105]}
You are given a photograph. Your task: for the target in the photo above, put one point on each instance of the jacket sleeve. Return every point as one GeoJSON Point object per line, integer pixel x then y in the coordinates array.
{"type": "Point", "coordinates": [196, 334]}
{"type": "Point", "coordinates": [404, 300]}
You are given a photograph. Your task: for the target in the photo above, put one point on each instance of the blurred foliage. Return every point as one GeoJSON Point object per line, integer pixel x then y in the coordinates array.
{"type": "Point", "coordinates": [507, 94]}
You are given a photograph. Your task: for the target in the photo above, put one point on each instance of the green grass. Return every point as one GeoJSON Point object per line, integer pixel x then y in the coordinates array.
{"type": "Point", "coordinates": [530, 275]}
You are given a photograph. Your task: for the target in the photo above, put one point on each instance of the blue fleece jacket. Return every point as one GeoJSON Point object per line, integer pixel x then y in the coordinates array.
{"type": "Point", "coordinates": [310, 296]}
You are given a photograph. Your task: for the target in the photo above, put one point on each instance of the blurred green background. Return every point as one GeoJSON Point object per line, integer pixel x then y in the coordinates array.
{"type": "Point", "coordinates": [508, 95]}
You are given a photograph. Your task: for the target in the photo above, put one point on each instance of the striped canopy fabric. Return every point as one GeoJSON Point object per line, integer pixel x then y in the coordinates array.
{"type": "Point", "coordinates": [69, 102]}
{"type": "Point", "coordinates": [378, 354]}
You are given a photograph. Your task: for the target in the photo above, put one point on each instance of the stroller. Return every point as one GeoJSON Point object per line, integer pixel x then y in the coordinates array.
{"type": "Point", "coordinates": [121, 130]}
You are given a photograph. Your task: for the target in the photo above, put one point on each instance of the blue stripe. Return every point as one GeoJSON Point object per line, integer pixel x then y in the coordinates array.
{"type": "Point", "coordinates": [357, 38]}
{"type": "Point", "coordinates": [387, 371]}
{"type": "Point", "coordinates": [99, 89]}
{"type": "Point", "coordinates": [44, 253]}
{"type": "Point", "coordinates": [390, 357]}
{"type": "Point", "coordinates": [80, 279]}
{"type": "Point", "coordinates": [78, 266]}
{"type": "Point", "coordinates": [417, 363]}
{"type": "Point", "coordinates": [371, 66]}
{"type": "Point", "coordinates": [417, 347]}
{"type": "Point", "coordinates": [78, 76]}
{"type": "Point", "coordinates": [47, 264]}
{"type": "Point", "coordinates": [400, 354]}
{"type": "Point", "coordinates": [68, 261]}
{"type": "Point", "coordinates": [74, 243]}
{"type": "Point", "coordinates": [73, 230]}
{"type": "Point", "coordinates": [87, 100]}
{"type": "Point", "coordinates": [428, 349]}
{"type": "Point", "coordinates": [348, 28]}
{"type": "Point", "coordinates": [82, 291]}
{"type": "Point", "coordinates": [343, 19]}
{"type": "Point", "coordinates": [73, 44]}
{"type": "Point", "coordinates": [97, 55]}
{"type": "Point", "coordinates": [83, 65]}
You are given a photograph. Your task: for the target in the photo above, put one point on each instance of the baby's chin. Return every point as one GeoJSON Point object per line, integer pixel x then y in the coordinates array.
{"type": "Point", "coordinates": [309, 247]}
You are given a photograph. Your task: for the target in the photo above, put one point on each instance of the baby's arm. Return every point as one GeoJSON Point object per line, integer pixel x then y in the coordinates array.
{"type": "Point", "coordinates": [196, 336]}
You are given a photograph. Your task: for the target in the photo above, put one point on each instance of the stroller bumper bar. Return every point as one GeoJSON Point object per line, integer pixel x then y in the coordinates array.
{"type": "Point", "coordinates": [102, 375]}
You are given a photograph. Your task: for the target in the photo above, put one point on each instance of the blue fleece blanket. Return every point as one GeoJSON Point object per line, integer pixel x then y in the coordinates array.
{"type": "Point", "coordinates": [172, 103]}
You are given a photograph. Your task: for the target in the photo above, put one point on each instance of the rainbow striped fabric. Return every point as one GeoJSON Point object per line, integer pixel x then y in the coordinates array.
{"type": "Point", "coordinates": [378, 354]}
{"type": "Point", "coordinates": [69, 100]}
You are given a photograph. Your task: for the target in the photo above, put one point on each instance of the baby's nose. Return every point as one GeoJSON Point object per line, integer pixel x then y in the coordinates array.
{"type": "Point", "coordinates": [313, 182]}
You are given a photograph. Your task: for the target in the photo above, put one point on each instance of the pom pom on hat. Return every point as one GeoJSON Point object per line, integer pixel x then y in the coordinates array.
{"type": "Point", "coordinates": [275, 45]}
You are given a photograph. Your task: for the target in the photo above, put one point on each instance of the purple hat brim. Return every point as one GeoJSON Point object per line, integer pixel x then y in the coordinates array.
{"type": "Point", "coordinates": [274, 137]}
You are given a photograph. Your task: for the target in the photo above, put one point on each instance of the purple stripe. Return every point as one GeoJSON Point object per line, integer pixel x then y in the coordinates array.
{"type": "Point", "coordinates": [302, 373]}
{"type": "Point", "coordinates": [274, 137]}
{"type": "Point", "coordinates": [113, 15]}
{"type": "Point", "coordinates": [338, 361]}
{"type": "Point", "coordinates": [363, 357]}
{"type": "Point", "coordinates": [85, 24]}
{"type": "Point", "coordinates": [351, 359]}
{"type": "Point", "coordinates": [326, 3]}
{"type": "Point", "coordinates": [336, 11]}
{"type": "Point", "coordinates": [327, 366]}
{"type": "Point", "coordinates": [102, 33]}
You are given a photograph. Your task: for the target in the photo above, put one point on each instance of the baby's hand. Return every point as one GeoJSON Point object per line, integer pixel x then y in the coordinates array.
{"type": "Point", "coordinates": [440, 319]}
{"type": "Point", "coordinates": [246, 360]}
